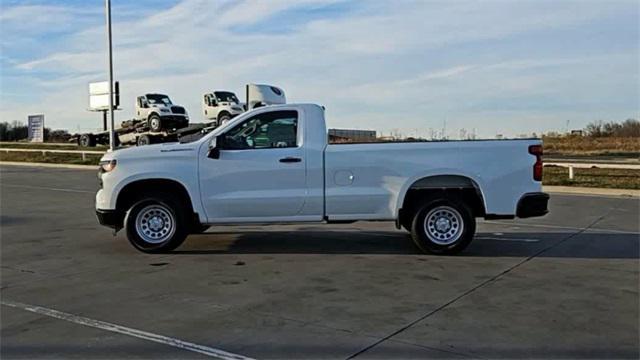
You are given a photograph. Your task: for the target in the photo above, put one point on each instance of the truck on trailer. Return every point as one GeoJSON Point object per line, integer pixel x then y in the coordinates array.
{"type": "Point", "coordinates": [156, 119]}
{"type": "Point", "coordinates": [221, 106]}
{"type": "Point", "coordinates": [274, 164]}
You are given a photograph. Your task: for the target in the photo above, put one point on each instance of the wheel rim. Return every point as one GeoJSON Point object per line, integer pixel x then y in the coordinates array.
{"type": "Point", "coordinates": [443, 225]}
{"type": "Point", "coordinates": [155, 123]}
{"type": "Point", "coordinates": [155, 224]}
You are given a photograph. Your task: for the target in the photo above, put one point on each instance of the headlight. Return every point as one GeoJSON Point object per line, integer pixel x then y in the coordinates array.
{"type": "Point", "coordinates": [108, 165]}
{"type": "Point", "coordinates": [165, 110]}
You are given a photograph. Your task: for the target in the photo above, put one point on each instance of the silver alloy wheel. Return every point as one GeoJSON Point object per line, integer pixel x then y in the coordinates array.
{"type": "Point", "coordinates": [443, 225]}
{"type": "Point", "coordinates": [155, 224]}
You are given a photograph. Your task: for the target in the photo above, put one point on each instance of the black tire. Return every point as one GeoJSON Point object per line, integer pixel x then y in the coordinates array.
{"type": "Point", "coordinates": [223, 117]}
{"type": "Point", "coordinates": [155, 124]}
{"type": "Point", "coordinates": [144, 140]}
{"type": "Point", "coordinates": [87, 140]}
{"type": "Point", "coordinates": [449, 229]}
{"type": "Point", "coordinates": [168, 214]}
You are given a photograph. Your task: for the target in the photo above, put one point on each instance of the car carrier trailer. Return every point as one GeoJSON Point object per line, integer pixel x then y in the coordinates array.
{"type": "Point", "coordinates": [133, 132]}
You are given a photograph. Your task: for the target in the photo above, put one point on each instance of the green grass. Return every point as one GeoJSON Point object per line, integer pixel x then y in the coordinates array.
{"type": "Point", "coordinates": [597, 178]}
{"type": "Point", "coordinates": [55, 158]}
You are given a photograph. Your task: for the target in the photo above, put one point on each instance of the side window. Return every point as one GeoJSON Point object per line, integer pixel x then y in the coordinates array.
{"type": "Point", "coordinates": [275, 129]}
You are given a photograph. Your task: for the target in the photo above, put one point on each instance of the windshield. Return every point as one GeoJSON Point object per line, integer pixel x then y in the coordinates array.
{"type": "Point", "coordinates": [223, 96]}
{"type": "Point", "coordinates": [158, 99]}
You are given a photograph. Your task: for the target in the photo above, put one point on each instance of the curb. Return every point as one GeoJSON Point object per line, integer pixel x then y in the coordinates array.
{"type": "Point", "coordinates": [50, 165]}
{"type": "Point", "coordinates": [591, 191]}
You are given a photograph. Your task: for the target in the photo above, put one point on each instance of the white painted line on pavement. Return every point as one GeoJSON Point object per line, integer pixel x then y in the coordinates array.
{"type": "Point", "coordinates": [49, 188]}
{"type": "Point", "coordinates": [507, 239]}
{"type": "Point", "coordinates": [559, 227]}
{"type": "Point", "coordinates": [205, 350]}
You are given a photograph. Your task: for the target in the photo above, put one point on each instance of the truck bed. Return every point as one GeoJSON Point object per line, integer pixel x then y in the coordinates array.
{"type": "Point", "coordinates": [362, 176]}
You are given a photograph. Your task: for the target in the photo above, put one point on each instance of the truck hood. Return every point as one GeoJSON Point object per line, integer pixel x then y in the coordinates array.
{"type": "Point", "coordinates": [160, 106]}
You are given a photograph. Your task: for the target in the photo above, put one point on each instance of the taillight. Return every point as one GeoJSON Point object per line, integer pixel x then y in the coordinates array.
{"type": "Point", "coordinates": [536, 150]}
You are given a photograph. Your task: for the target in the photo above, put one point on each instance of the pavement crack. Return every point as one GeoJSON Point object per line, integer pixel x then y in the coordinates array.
{"type": "Point", "coordinates": [478, 286]}
{"type": "Point", "coordinates": [17, 269]}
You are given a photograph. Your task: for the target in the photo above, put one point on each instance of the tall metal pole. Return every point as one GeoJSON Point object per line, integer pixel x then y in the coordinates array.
{"type": "Point", "coordinates": [112, 140]}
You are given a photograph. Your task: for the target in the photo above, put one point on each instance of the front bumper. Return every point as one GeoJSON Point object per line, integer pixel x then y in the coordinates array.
{"type": "Point", "coordinates": [110, 218]}
{"type": "Point", "coordinates": [532, 205]}
{"type": "Point", "coordinates": [174, 121]}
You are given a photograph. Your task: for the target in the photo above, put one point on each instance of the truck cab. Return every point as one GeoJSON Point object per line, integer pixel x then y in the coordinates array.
{"type": "Point", "coordinates": [221, 106]}
{"type": "Point", "coordinates": [160, 113]}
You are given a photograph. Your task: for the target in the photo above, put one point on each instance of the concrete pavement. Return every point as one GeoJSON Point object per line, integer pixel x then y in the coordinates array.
{"type": "Point", "coordinates": [565, 285]}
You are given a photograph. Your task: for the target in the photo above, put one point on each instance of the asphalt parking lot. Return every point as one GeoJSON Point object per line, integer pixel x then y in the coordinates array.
{"type": "Point", "coordinates": [562, 286]}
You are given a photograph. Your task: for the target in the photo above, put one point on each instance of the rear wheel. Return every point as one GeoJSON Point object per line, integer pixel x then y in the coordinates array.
{"type": "Point", "coordinates": [156, 224]}
{"type": "Point", "coordinates": [145, 140]}
{"type": "Point", "coordinates": [443, 226]}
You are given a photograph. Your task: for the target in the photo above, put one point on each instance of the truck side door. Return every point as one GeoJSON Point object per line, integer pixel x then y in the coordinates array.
{"type": "Point", "coordinates": [260, 173]}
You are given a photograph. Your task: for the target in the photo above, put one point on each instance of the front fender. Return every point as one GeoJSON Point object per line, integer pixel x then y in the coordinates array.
{"type": "Point", "coordinates": [191, 187]}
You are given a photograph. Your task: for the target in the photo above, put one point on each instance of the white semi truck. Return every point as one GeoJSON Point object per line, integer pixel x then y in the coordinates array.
{"type": "Point", "coordinates": [221, 106]}
{"type": "Point", "coordinates": [160, 113]}
{"type": "Point", "coordinates": [156, 119]}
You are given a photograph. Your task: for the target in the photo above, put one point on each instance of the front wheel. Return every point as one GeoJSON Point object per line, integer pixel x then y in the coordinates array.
{"type": "Point", "coordinates": [444, 226]}
{"type": "Point", "coordinates": [223, 118]}
{"type": "Point", "coordinates": [156, 225]}
{"type": "Point", "coordinates": [87, 140]}
{"type": "Point", "coordinates": [155, 124]}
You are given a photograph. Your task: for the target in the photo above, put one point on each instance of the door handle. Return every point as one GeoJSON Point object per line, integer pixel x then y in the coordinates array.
{"type": "Point", "coordinates": [290, 160]}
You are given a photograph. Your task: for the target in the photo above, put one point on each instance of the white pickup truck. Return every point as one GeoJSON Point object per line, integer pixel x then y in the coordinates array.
{"type": "Point", "coordinates": [274, 165]}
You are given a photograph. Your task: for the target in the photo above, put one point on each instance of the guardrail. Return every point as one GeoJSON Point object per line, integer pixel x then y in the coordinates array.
{"type": "Point", "coordinates": [82, 153]}
{"type": "Point", "coordinates": [34, 143]}
{"type": "Point", "coordinates": [580, 165]}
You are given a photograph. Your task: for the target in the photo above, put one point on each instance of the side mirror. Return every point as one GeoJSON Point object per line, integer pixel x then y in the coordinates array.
{"type": "Point", "coordinates": [214, 148]}
{"type": "Point", "coordinates": [214, 102]}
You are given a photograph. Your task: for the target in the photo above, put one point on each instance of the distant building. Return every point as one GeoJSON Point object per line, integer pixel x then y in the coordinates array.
{"type": "Point", "coordinates": [351, 135]}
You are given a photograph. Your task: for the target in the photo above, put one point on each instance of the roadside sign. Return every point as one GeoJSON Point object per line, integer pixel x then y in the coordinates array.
{"type": "Point", "coordinates": [99, 96]}
{"type": "Point", "coordinates": [36, 128]}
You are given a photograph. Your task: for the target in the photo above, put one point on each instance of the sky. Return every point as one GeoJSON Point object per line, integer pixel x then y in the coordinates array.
{"type": "Point", "coordinates": [419, 68]}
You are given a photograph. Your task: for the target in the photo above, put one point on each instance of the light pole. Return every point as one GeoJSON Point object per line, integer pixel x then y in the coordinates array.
{"type": "Point", "coordinates": [112, 139]}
